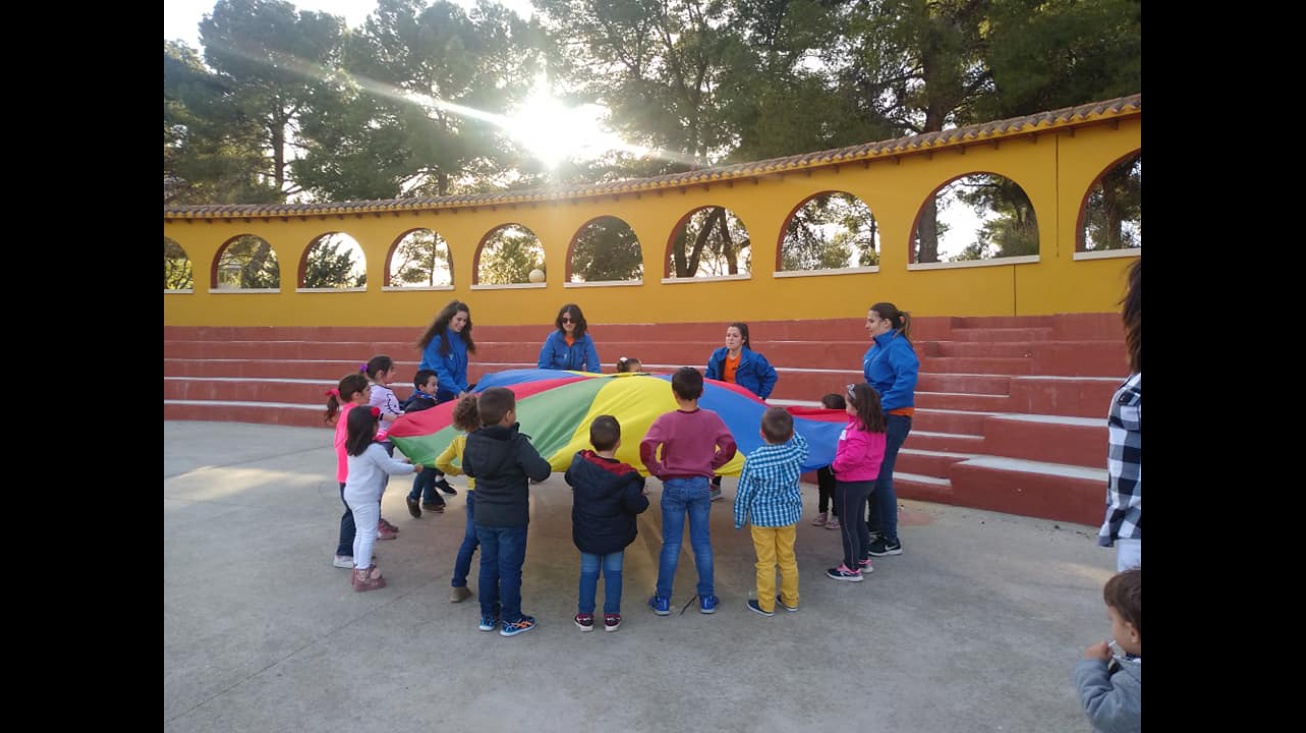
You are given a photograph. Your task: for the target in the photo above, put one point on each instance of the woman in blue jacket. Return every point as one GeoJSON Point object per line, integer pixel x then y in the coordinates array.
{"type": "Point", "coordinates": [445, 347]}
{"type": "Point", "coordinates": [570, 346]}
{"type": "Point", "coordinates": [737, 363]}
{"type": "Point", "coordinates": [890, 366]}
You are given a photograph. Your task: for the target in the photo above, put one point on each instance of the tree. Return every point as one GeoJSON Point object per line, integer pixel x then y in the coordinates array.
{"type": "Point", "coordinates": [605, 250]}
{"type": "Point", "coordinates": [509, 255]}
{"type": "Point", "coordinates": [421, 258]}
{"type": "Point", "coordinates": [327, 267]}
{"type": "Point", "coordinates": [248, 262]}
{"type": "Point", "coordinates": [712, 237]}
{"type": "Point", "coordinates": [275, 64]}
{"type": "Point", "coordinates": [178, 274]}
{"type": "Point", "coordinates": [1113, 214]}
{"type": "Point", "coordinates": [1010, 228]}
{"type": "Point", "coordinates": [826, 232]}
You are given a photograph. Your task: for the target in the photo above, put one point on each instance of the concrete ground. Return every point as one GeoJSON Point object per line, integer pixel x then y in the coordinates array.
{"type": "Point", "coordinates": [974, 628]}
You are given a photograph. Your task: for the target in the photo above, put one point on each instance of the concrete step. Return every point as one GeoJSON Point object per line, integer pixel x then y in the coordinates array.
{"type": "Point", "coordinates": [1020, 333]}
{"type": "Point", "coordinates": [975, 365]}
{"type": "Point", "coordinates": [962, 401]}
{"type": "Point", "coordinates": [1074, 441]}
{"type": "Point", "coordinates": [937, 464]}
{"type": "Point", "coordinates": [307, 416]}
{"type": "Point", "coordinates": [1029, 488]}
{"type": "Point", "coordinates": [1059, 395]}
{"type": "Point", "coordinates": [943, 442]}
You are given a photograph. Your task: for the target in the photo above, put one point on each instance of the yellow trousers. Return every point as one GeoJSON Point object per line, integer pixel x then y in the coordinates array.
{"type": "Point", "coordinates": [775, 546]}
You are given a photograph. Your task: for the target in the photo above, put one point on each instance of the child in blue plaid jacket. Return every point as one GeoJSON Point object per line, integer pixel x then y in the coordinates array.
{"type": "Point", "coordinates": [768, 496]}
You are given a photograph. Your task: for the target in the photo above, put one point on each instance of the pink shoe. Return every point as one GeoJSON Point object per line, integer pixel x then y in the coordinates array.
{"type": "Point", "coordinates": [388, 525]}
{"type": "Point", "coordinates": [833, 523]}
{"type": "Point", "coordinates": [382, 533]}
{"type": "Point", "coordinates": [367, 579]}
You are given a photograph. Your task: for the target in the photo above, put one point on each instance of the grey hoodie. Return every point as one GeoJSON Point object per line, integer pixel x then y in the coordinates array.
{"type": "Point", "coordinates": [1112, 693]}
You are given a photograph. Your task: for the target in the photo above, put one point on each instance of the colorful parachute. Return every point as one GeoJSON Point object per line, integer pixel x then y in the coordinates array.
{"type": "Point", "coordinates": [555, 408]}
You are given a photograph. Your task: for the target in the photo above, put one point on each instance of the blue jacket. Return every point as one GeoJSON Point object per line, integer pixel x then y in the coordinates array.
{"type": "Point", "coordinates": [890, 367]}
{"type": "Point", "coordinates": [580, 356]}
{"type": "Point", "coordinates": [451, 370]}
{"type": "Point", "coordinates": [754, 374]}
{"type": "Point", "coordinates": [606, 494]}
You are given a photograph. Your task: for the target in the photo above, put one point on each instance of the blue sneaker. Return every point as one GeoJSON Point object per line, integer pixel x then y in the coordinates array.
{"type": "Point", "coordinates": [490, 623]}
{"type": "Point", "coordinates": [791, 609]}
{"type": "Point", "coordinates": [755, 607]}
{"type": "Point", "coordinates": [660, 606]}
{"type": "Point", "coordinates": [708, 604]}
{"type": "Point", "coordinates": [520, 626]}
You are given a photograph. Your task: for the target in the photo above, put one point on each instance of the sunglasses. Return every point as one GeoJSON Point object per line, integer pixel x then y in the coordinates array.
{"type": "Point", "coordinates": [566, 319]}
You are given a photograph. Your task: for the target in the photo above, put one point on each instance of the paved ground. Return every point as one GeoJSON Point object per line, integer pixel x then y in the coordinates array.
{"type": "Point", "coordinates": [975, 628]}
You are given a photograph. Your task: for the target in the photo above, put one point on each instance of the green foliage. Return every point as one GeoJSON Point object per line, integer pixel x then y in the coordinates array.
{"type": "Point", "coordinates": [178, 274]}
{"type": "Point", "coordinates": [327, 267]}
{"type": "Point", "coordinates": [1009, 227]}
{"type": "Point", "coordinates": [831, 231]}
{"type": "Point", "coordinates": [248, 262]}
{"type": "Point", "coordinates": [421, 258]}
{"type": "Point", "coordinates": [607, 249]}
{"type": "Point", "coordinates": [509, 255]}
{"type": "Point", "coordinates": [1113, 214]}
{"type": "Point", "coordinates": [711, 239]}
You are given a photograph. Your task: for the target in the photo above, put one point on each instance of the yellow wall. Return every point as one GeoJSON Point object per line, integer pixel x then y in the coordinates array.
{"type": "Point", "coordinates": [1055, 166]}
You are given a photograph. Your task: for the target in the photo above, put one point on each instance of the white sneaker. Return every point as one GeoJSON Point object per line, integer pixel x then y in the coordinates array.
{"type": "Point", "coordinates": [343, 561]}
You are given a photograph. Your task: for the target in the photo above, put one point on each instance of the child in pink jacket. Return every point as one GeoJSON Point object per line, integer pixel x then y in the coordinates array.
{"type": "Point", "coordinates": [856, 466]}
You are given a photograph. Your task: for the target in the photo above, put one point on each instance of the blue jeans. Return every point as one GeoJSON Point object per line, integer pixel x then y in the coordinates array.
{"type": "Point", "coordinates": [503, 552]}
{"type": "Point", "coordinates": [883, 502]}
{"type": "Point", "coordinates": [589, 581]}
{"type": "Point", "coordinates": [463, 564]}
{"type": "Point", "coordinates": [424, 486]}
{"type": "Point", "coordinates": [848, 496]}
{"type": "Point", "coordinates": [345, 545]}
{"type": "Point", "coordinates": [681, 497]}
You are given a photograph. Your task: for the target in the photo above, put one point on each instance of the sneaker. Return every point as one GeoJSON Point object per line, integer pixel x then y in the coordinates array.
{"type": "Point", "coordinates": [413, 508]}
{"type": "Point", "coordinates": [384, 533]}
{"type": "Point", "coordinates": [343, 561]}
{"type": "Point", "coordinates": [459, 593]}
{"type": "Point", "coordinates": [660, 606]}
{"type": "Point", "coordinates": [708, 604]}
{"type": "Point", "coordinates": [716, 494]}
{"type": "Point", "coordinates": [520, 626]}
{"type": "Point", "coordinates": [843, 573]}
{"type": "Point", "coordinates": [585, 621]}
{"type": "Point", "coordinates": [833, 523]}
{"type": "Point", "coordinates": [445, 488]}
{"type": "Point", "coordinates": [756, 607]}
{"type": "Point", "coordinates": [881, 547]}
{"type": "Point", "coordinates": [388, 525]}
{"type": "Point", "coordinates": [437, 508]}
{"type": "Point", "coordinates": [490, 623]}
{"type": "Point", "coordinates": [865, 566]}
{"type": "Point", "coordinates": [365, 579]}
{"type": "Point", "coordinates": [820, 519]}
{"type": "Point", "coordinates": [611, 621]}
{"type": "Point", "coordinates": [785, 606]}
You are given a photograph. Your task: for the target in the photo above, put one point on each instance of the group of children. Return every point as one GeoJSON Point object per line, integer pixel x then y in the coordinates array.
{"type": "Point", "coordinates": [683, 449]}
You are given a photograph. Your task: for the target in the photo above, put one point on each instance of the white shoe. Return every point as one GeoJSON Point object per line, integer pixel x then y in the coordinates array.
{"type": "Point", "coordinates": [343, 561]}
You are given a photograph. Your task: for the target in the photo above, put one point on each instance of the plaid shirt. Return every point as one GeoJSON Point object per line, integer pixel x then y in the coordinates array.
{"type": "Point", "coordinates": [767, 493]}
{"type": "Point", "coordinates": [1124, 464]}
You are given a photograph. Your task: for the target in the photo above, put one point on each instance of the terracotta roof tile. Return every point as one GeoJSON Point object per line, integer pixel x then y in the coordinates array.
{"type": "Point", "coordinates": [1113, 108]}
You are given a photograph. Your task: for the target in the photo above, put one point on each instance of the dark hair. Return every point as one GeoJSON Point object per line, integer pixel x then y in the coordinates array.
{"type": "Point", "coordinates": [605, 431]}
{"type": "Point", "coordinates": [833, 401]}
{"type": "Point", "coordinates": [866, 402]}
{"type": "Point", "coordinates": [361, 429]}
{"type": "Point", "coordinates": [465, 415]}
{"type": "Point", "coordinates": [777, 424]}
{"type": "Point", "coordinates": [1124, 593]}
{"type": "Point", "coordinates": [687, 383]}
{"type": "Point", "coordinates": [623, 364]}
{"type": "Point", "coordinates": [350, 385]}
{"type": "Point", "coordinates": [743, 332]}
{"type": "Point", "coordinates": [1132, 314]}
{"type": "Point", "coordinates": [440, 326]}
{"type": "Point", "coordinates": [419, 379]}
{"type": "Point", "coordinates": [900, 320]}
{"type": "Point", "coordinates": [377, 364]}
{"type": "Point", "coordinates": [494, 403]}
{"type": "Point", "coordinates": [577, 318]}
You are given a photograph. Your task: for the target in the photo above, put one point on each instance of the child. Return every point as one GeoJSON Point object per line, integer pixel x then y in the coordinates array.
{"type": "Point", "coordinates": [825, 477]}
{"type": "Point", "coordinates": [369, 464]}
{"type": "Point", "coordinates": [856, 465]}
{"type": "Point", "coordinates": [502, 460]}
{"type": "Point", "coordinates": [351, 392]}
{"type": "Point", "coordinates": [1111, 687]}
{"type": "Point", "coordinates": [694, 443]}
{"type": "Point", "coordinates": [465, 420]}
{"type": "Point", "coordinates": [425, 384]}
{"type": "Point", "coordinates": [767, 496]}
{"type": "Point", "coordinates": [606, 494]}
{"type": "Point", "coordinates": [381, 370]}
{"type": "Point", "coordinates": [627, 364]}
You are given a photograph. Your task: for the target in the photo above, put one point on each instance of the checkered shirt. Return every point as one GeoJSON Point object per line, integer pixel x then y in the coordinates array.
{"type": "Point", "coordinates": [768, 494]}
{"type": "Point", "coordinates": [1124, 463]}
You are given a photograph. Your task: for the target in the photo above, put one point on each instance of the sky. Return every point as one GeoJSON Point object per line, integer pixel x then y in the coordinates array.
{"type": "Point", "coordinates": [181, 18]}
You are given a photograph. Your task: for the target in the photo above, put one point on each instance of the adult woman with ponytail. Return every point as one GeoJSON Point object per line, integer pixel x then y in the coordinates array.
{"type": "Point", "coordinates": [890, 367]}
